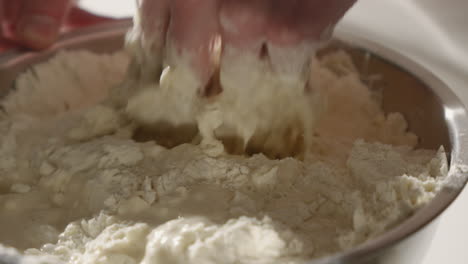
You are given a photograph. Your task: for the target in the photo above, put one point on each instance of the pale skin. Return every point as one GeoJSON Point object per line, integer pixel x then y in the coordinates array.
{"type": "Point", "coordinates": [191, 24]}
{"type": "Point", "coordinates": [36, 24]}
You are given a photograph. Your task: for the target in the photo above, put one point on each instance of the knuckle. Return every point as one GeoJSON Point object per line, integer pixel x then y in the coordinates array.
{"type": "Point", "coordinates": [285, 34]}
{"type": "Point", "coordinates": [245, 16]}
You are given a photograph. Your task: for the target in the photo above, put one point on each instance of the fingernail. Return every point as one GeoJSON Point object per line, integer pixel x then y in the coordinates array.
{"type": "Point", "coordinates": [241, 73]}
{"type": "Point", "coordinates": [183, 74]}
{"type": "Point", "coordinates": [38, 31]}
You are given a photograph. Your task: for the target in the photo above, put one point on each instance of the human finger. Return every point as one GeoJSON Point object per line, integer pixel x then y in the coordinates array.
{"type": "Point", "coordinates": [295, 20]}
{"type": "Point", "coordinates": [192, 34]}
{"type": "Point", "coordinates": [243, 27]}
{"type": "Point", "coordinates": [39, 21]}
{"type": "Point", "coordinates": [297, 28]}
{"type": "Point", "coordinates": [9, 11]}
{"type": "Point", "coordinates": [147, 38]}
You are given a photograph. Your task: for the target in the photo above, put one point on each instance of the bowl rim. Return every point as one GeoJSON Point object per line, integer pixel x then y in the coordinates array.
{"type": "Point", "coordinates": [456, 116]}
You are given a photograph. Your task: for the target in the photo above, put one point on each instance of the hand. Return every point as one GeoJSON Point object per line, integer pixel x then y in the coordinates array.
{"type": "Point", "coordinates": [286, 30]}
{"type": "Point", "coordinates": [33, 23]}
{"type": "Point", "coordinates": [37, 23]}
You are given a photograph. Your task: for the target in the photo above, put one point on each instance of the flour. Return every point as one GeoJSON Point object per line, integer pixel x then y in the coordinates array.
{"type": "Point", "coordinates": [262, 108]}
{"type": "Point", "coordinates": [76, 187]}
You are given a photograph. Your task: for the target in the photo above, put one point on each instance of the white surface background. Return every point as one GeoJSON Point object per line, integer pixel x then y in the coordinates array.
{"type": "Point", "coordinates": [431, 32]}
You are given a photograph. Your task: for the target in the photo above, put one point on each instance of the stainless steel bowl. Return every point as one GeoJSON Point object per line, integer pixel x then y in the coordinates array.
{"type": "Point", "coordinates": [433, 111]}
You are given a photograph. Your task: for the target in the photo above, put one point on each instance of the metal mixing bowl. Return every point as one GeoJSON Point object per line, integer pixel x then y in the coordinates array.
{"type": "Point", "coordinates": [433, 111]}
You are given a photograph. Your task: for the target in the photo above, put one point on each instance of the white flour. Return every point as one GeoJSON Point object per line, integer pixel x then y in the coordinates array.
{"type": "Point", "coordinates": [76, 187]}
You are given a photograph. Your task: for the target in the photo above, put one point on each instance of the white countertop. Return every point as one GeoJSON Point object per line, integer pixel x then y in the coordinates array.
{"type": "Point", "coordinates": [431, 32]}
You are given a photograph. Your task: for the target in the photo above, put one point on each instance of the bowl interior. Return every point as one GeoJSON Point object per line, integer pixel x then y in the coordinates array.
{"type": "Point", "coordinates": [401, 92]}
{"type": "Point", "coordinates": [424, 105]}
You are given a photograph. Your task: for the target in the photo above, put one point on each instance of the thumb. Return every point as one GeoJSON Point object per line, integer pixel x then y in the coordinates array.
{"type": "Point", "coordinates": [39, 22]}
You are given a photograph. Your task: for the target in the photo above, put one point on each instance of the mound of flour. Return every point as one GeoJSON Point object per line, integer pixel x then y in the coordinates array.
{"type": "Point", "coordinates": [76, 187]}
